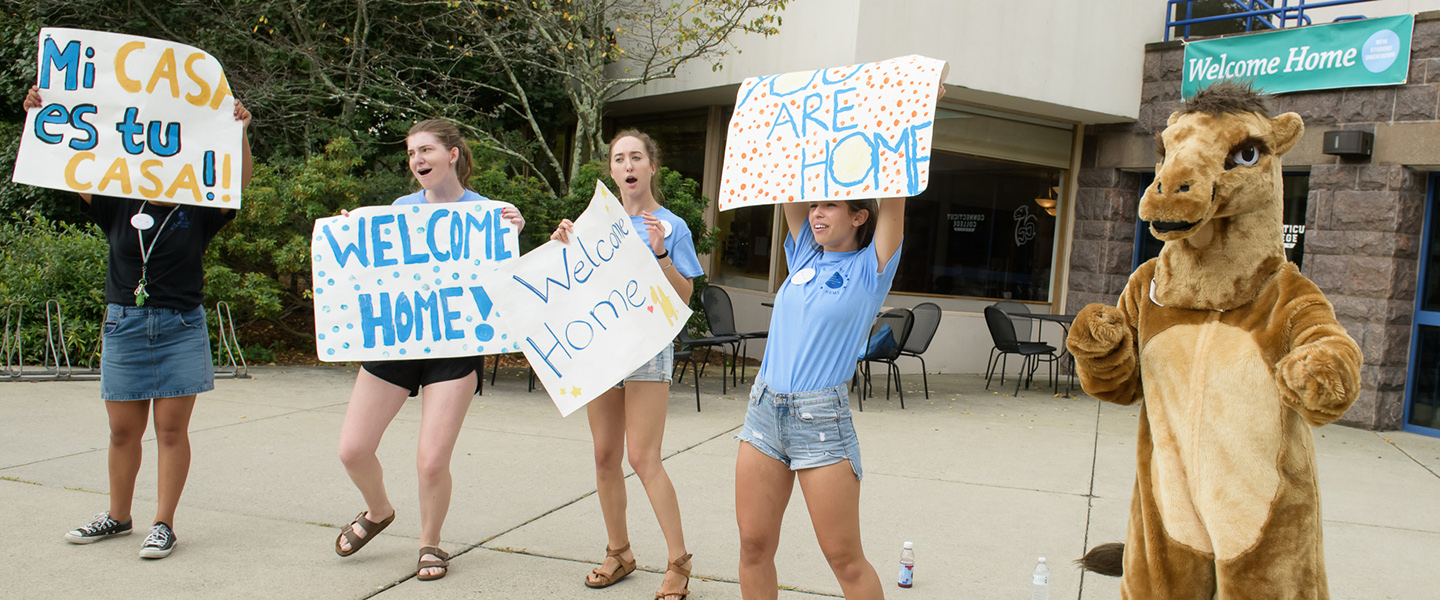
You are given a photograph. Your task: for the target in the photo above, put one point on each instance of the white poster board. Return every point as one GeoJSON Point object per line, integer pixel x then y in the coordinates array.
{"type": "Point", "coordinates": [846, 133]}
{"type": "Point", "coordinates": [132, 117]}
{"type": "Point", "coordinates": [590, 312]}
{"type": "Point", "coordinates": [410, 282]}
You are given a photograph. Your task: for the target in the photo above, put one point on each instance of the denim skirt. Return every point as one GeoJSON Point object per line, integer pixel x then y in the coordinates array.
{"type": "Point", "coordinates": [152, 352]}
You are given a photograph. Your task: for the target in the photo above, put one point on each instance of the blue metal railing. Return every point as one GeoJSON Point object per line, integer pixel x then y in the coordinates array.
{"type": "Point", "coordinates": [1267, 15]}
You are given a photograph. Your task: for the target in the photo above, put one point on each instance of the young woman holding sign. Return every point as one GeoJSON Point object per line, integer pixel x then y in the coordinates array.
{"type": "Point", "coordinates": [440, 160]}
{"type": "Point", "coordinates": [157, 351]}
{"type": "Point", "coordinates": [842, 258]}
{"type": "Point", "coordinates": [631, 416]}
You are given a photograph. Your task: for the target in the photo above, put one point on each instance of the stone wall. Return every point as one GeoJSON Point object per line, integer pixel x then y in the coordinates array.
{"type": "Point", "coordinates": [1363, 220]}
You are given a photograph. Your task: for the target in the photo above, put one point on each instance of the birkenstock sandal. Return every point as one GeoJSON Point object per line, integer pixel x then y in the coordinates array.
{"type": "Point", "coordinates": [443, 564]}
{"type": "Point", "coordinates": [684, 572]}
{"type": "Point", "coordinates": [604, 579]}
{"type": "Point", "coordinates": [371, 528]}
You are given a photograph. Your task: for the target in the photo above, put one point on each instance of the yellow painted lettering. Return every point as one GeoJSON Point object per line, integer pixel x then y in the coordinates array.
{"type": "Point", "coordinates": [70, 168]}
{"type": "Point", "coordinates": [119, 171]}
{"type": "Point", "coordinates": [222, 91]}
{"type": "Point", "coordinates": [197, 99]}
{"type": "Point", "coordinates": [165, 69]}
{"type": "Point", "coordinates": [185, 181]}
{"type": "Point", "coordinates": [151, 193]}
{"type": "Point", "coordinates": [126, 83]}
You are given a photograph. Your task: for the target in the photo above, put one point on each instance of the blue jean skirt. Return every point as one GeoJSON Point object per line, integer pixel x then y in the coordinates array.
{"type": "Point", "coordinates": [152, 352]}
{"type": "Point", "coordinates": [804, 430]}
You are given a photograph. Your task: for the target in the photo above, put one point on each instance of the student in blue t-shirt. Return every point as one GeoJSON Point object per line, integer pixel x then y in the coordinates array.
{"type": "Point", "coordinates": [440, 161]}
{"type": "Point", "coordinates": [635, 408]}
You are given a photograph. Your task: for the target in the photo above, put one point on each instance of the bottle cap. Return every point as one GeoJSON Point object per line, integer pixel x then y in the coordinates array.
{"type": "Point", "coordinates": [910, 545]}
{"type": "Point", "coordinates": [1042, 559]}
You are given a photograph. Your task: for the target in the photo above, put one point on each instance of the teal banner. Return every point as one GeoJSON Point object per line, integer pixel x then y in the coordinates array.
{"type": "Point", "coordinates": [1321, 57]}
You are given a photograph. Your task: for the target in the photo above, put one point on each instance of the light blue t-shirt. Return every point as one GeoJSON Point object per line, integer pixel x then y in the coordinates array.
{"type": "Point", "coordinates": [419, 198]}
{"type": "Point", "coordinates": [818, 327]}
{"type": "Point", "coordinates": [679, 243]}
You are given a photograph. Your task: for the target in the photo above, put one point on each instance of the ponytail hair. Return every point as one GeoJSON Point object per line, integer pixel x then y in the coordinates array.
{"type": "Point", "coordinates": [652, 151]}
{"type": "Point", "coordinates": [449, 136]}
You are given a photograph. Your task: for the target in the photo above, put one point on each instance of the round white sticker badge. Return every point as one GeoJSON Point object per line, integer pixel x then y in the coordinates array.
{"type": "Point", "coordinates": [142, 221]}
{"type": "Point", "coordinates": [665, 225]}
{"type": "Point", "coordinates": [802, 276]}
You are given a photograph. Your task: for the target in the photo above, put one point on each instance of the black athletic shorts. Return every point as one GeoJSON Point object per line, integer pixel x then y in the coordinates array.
{"type": "Point", "coordinates": [413, 374]}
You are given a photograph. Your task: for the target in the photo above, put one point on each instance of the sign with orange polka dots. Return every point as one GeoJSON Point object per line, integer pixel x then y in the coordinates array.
{"type": "Point", "coordinates": [847, 133]}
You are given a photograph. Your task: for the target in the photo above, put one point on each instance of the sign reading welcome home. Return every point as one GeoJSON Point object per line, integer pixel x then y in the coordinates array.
{"type": "Point", "coordinates": [133, 117]}
{"type": "Point", "coordinates": [413, 281]}
{"type": "Point", "coordinates": [847, 133]}
{"type": "Point", "coordinates": [1363, 53]}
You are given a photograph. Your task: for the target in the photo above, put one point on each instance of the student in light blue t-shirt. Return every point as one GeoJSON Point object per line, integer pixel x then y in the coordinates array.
{"type": "Point", "coordinates": [635, 409]}
{"type": "Point", "coordinates": [441, 163]}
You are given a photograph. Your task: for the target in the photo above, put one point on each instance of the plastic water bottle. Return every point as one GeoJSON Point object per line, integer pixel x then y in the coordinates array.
{"type": "Point", "coordinates": [1040, 590]}
{"type": "Point", "coordinates": [907, 565]}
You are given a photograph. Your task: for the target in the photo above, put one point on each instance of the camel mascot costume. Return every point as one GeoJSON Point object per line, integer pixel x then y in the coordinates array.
{"type": "Point", "coordinates": [1235, 354]}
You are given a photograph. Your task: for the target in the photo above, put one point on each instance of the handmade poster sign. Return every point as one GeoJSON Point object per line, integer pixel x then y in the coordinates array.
{"type": "Point", "coordinates": [132, 117]}
{"type": "Point", "coordinates": [590, 312]}
{"type": "Point", "coordinates": [847, 133]}
{"type": "Point", "coordinates": [414, 281]}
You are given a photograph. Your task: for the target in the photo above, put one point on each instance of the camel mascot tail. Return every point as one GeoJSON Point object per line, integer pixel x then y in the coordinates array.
{"type": "Point", "coordinates": [1236, 356]}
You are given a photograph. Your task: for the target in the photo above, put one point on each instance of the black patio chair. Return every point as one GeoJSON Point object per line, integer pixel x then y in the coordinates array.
{"type": "Point", "coordinates": [1011, 307]}
{"type": "Point", "coordinates": [708, 343]}
{"type": "Point", "coordinates": [879, 349]}
{"type": "Point", "coordinates": [720, 313]}
{"type": "Point", "coordinates": [927, 320]}
{"type": "Point", "coordinates": [1002, 332]}
{"type": "Point", "coordinates": [684, 356]}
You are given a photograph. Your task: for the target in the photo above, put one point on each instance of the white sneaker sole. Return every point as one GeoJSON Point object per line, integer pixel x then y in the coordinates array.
{"type": "Point", "coordinates": [156, 552]}
{"type": "Point", "coordinates": [80, 539]}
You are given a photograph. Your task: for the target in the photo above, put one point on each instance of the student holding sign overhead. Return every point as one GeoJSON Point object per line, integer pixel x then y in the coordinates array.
{"type": "Point", "coordinates": [440, 161]}
{"type": "Point", "coordinates": [157, 351]}
{"type": "Point", "coordinates": [631, 416]}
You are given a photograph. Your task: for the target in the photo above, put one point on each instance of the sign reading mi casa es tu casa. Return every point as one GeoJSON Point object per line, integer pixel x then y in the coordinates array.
{"type": "Point", "coordinates": [1370, 52]}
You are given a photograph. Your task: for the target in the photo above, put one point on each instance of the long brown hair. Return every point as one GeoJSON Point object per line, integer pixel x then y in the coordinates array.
{"type": "Point", "coordinates": [652, 151]}
{"type": "Point", "coordinates": [449, 136]}
{"type": "Point", "coordinates": [865, 233]}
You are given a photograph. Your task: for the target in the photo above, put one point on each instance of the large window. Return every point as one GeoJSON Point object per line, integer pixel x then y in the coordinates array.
{"type": "Point", "coordinates": [745, 244]}
{"type": "Point", "coordinates": [981, 229]}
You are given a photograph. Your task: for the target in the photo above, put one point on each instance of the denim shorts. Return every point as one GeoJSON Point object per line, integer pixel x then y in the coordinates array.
{"type": "Point", "coordinates": [152, 352]}
{"type": "Point", "coordinates": [804, 430]}
{"type": "Point", "coordinates": [661, 368]}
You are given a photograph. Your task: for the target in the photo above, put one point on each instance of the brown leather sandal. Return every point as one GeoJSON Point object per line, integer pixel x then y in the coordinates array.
{"type": "Point", "coordinates": [604, 579]}
{"type": "Point", "coordinates": [371, 528]}
{"type": "Point", "coordinates": [443, 564]}
{"type": "Point", "coordinates": [684, 572]}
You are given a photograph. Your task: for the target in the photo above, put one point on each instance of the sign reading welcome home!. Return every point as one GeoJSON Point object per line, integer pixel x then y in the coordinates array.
{"type": "Point", "coordinates": [408, 282]}
{"type": "Point", "coordinates": [591, 311]}
{"type": "Point", "coordinates": [847, 133]}
{"type": "Point", "coordinates": [132, 117]}
{"type": "Point", "coordinates": [1351, 54]}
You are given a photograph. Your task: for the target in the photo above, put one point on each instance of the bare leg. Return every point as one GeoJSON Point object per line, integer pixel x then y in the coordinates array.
{"type": "Point", "coordinates": [645, 403]}
{"type": "Point", "coordinates": [442, 412]}
{"type": "Point", "coordinates": [762, 490]}
{"type": "Point", "coordinates": [832, 494]}
{"type": "Point", "coordinates": [127, 427]}
{"type": "Point", "coordinates": [373, 404]}
{"type": "Point", "coordinates": [607, 428]}
{"type": "Point", "coordinates": [172, 435]}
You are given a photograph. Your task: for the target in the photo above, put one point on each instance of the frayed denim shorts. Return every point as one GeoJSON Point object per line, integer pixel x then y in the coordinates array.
{"type": "Point", "coordinates": [804, 430]}
{"type": "Point", "coordinates": [661, 368]}
{"type": "Point", "coordinates": [152, 352]}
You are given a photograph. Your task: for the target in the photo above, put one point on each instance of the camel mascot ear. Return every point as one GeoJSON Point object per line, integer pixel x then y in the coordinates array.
{"type": "Point", "coordinates": [1175, 116]}
{"type": "Point", "coordinates": [1285, 131]}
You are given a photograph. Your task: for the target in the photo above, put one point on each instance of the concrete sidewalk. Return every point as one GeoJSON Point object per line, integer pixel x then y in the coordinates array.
{"type": "Point", "coordinates": [982, 482]}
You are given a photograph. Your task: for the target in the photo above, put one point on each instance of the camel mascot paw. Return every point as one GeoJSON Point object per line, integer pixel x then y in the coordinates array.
{"type": "Point", "coordinates": [1319, 382]}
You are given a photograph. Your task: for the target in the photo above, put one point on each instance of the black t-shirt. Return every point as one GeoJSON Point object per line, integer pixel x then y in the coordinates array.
{"type": "Point", "coordinates": [176, 272]}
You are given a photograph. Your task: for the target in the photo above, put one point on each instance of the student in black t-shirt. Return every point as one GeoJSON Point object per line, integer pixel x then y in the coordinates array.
{"type": "Point", "coordinates": [157, 351]}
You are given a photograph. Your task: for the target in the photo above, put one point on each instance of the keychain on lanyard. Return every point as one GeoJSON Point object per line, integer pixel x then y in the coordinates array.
{"type": "Point", "coordinates": [142, 221]}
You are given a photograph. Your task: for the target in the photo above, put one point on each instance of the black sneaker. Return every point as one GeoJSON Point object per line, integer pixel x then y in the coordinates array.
{"type": "Point", "coordinates": [159, 543]}
{"type": "Point", "coordinates": [100, 528]}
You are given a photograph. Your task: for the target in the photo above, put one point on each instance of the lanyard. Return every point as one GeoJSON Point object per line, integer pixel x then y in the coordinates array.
{"type": "Point", "coordinates": [140, 293]}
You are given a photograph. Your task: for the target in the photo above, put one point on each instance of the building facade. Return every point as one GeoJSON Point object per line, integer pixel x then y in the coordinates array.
{"type": "Point", "coordinates": [1043, 145]}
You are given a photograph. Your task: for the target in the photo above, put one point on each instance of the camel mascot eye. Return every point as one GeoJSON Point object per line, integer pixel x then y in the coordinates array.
{"type": "Point", "coordinates": [1245, 157]}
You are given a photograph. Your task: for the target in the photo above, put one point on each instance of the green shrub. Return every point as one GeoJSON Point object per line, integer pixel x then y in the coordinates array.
{"type": "Point", "coordinates": [42, 260]}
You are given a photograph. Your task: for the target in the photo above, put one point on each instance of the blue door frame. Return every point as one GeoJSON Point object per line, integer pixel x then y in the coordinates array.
{"type": "Point", "coordinates": [1422, 317]}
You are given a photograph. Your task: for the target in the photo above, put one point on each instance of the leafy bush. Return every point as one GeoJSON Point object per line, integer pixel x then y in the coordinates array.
{"type": "Point", "coordinates": [42, 259]}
